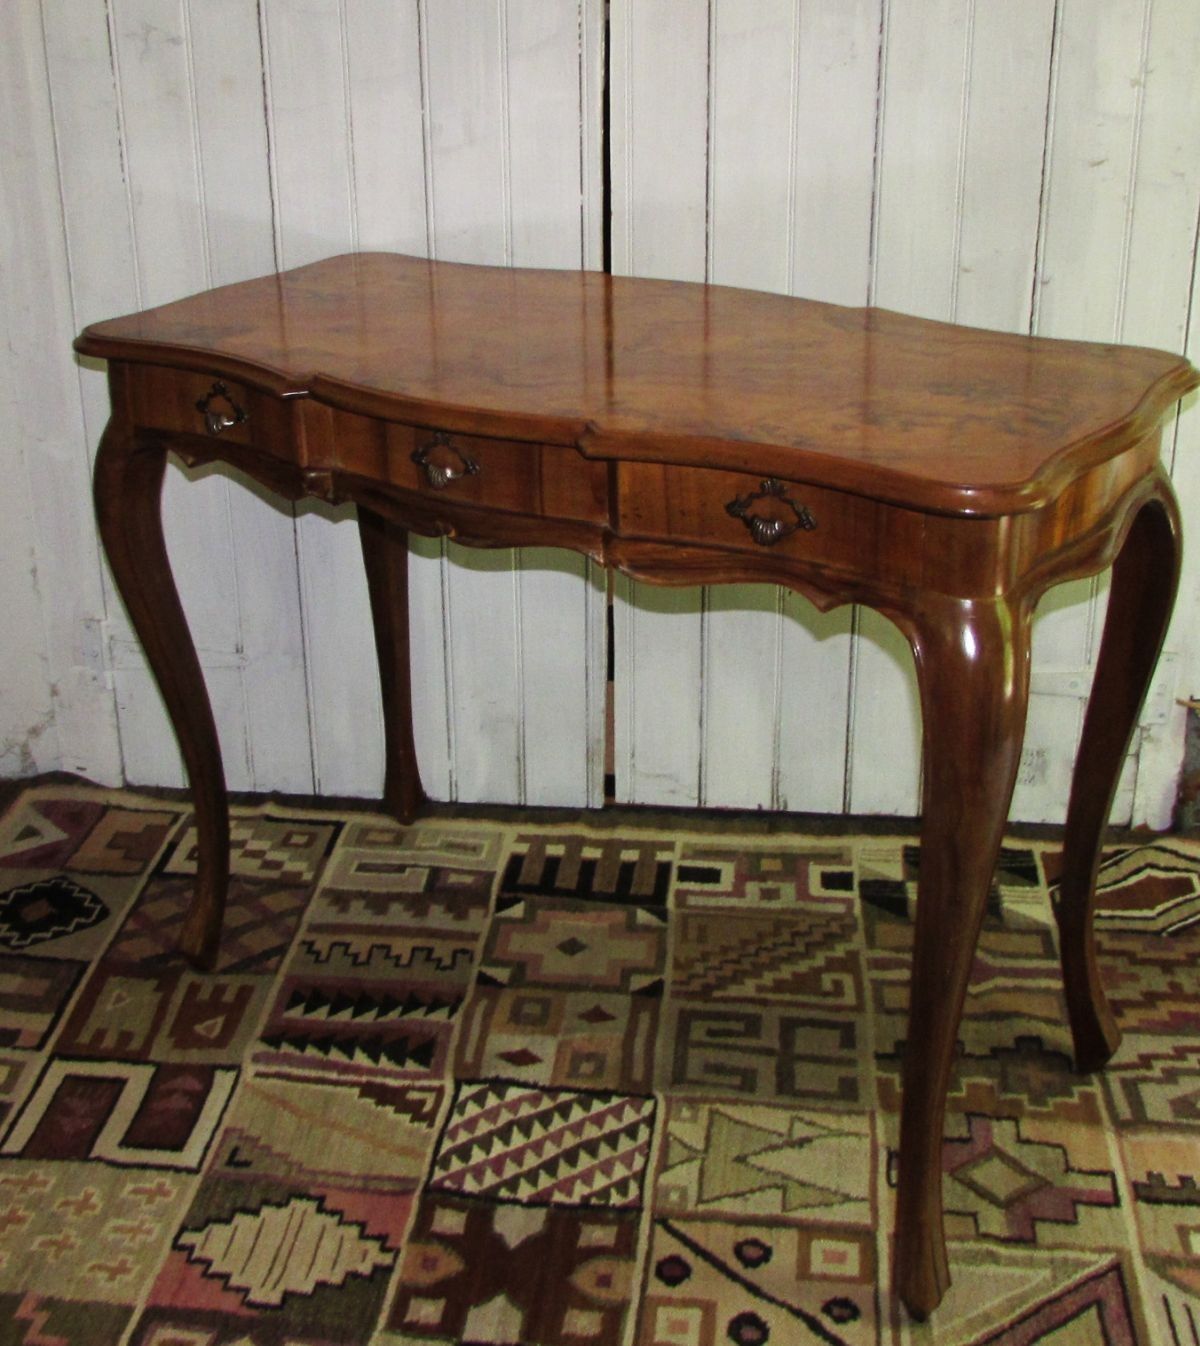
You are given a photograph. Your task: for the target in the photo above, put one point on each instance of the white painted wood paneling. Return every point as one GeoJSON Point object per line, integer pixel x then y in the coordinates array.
{"type": "Point", "coordinates": [752, 59]}
{"type": "Point", "coordinates": [239, 233]}
{"type": "Point", "coordinates": [153, 93]}
{"type": "Point", "coordinates": [200, 143]}
{"type": "Point", "coordinates": [1091, 150]}
{"type": "Point", "coordinates": [1162, 286]}
{"type": "Point", "coordinates": [1035, 170]}
{"type": "Point", "coordinates": [1012, 163]}
{"type": "Point", "coordinates": [55, 706]}
{"type": "Point", "coordinates": [659, 76]}
{"type": "Point", "coordinates": [507, 172]}
{"type": "Point", "coordinates": [830, 221]}
{"type": "Point", "coordinates": [311, 139]}
{"type": "Point", "coordinates": [776, 673]}
{"type": "Point", "coordinates": [961, 149]}
{"type": "Point", "coordinates": [718, 700]}
{"type": "Point", "coordinates": [1118, 241]}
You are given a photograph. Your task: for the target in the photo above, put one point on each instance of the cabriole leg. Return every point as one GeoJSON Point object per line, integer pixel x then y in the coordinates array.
{"type": "Point", "coordinates": [973, 669]}
{"type": "Point", "coordinates": [1144, 579]}
{"type": "Point", "coordinates": [128, 492]}
{"type": "Point", "coordinates": [385, 556]}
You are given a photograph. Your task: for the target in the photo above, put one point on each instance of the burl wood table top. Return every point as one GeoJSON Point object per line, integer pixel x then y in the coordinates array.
{"type": "Point", "coordinates": [919, 413]}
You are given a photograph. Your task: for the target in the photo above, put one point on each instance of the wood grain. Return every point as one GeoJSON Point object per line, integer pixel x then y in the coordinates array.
{"type": "Point", "coordinates": [919, 413]}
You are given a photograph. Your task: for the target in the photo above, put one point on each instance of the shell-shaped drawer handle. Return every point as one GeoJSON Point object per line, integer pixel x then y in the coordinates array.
{"type": "Point", "coordinates": [219, 410]}
{"type": "Point", "coordinates": [770, 513]}
{"type": "Point", "coordinates": [443, 462]}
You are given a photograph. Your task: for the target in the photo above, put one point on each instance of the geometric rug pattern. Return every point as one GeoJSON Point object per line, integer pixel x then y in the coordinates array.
{"type": "Point", "coordinates": [501, 1082]}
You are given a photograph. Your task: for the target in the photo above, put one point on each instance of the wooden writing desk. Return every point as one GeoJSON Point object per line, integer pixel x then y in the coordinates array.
{"type": "Point", "coordinates": [691, 434]}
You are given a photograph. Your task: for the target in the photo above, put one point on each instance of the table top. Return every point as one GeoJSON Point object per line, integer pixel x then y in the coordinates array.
{"type": "Point", "coordinates": [921, 413]}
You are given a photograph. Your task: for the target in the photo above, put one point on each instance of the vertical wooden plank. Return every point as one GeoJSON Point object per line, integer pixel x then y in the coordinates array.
{"type": "Point", "coordinates": [93, 187]}
{"type": "Point", "coordinates": [810, 754]}
{"type": "Point", "coordinates": [507, 186]}
{"type": "Point", "coordinates": [235, 188]}
{"type": "Point", "coordinates": [390, 169]}
{"type": "Point", "coordinates": [83, 66]}
{"type": "Point", "coordinates": [187, 123]}
{"type": "Point", "coordinates": [752, 69]}
{"type": "Point", "coordinates": [427, 637]}
{"type": "Point", "coordinates": [961, 155]}
{"type": "Point", "coordinates": [924, 96]}
{"type": "Point", "coordinates": [1162, 294]}
{"type": "Point", "coordinates": [28, 734]}
{"type": "Point", "coordinates": [593, 203]}
{"type": "Point", "coordinates": [560, 680]}
{"type": "Point", "coordinates": [469, 134]}
{"type": "Point", "coordinates": [752, 73]}
{"type": "Point", "coordinates": [154, 92]}
{"type": "Point", "coordinates": [834, 124]}
{"type": "Point", "coordinates": [656, 651]}
{"type": "Point", "coordinates": [659, 138]}
{"type": "Point", "coordinates": [1003, 148]}
{"type": "Point", "coordinates": [593, 46]}
{"type": "Point", "coordinates": [921, 106]}
{"type": "Point", "coordinates": [100, 281]}
{"type": "Point", "coordinates": [659, 156]}
{"type": "Point", "coordinates": [231, 137]}
{"type": "Point", "coordinates": [541, 79]}
{"type": "Point", "coordinates": [471, 212]}
{"type": "Point", "coordinates": [775, 685]}
{"type": "Point", "coordinates": [833, 188]}
{"type": "Point", "coordinates": [310, 136]}
{"type": "Point", "coordinates": [57, 709]}
{"type": "Point", "coordinates": [1095, 117]}
{"type": "Point", "coordinates": [383, 49]}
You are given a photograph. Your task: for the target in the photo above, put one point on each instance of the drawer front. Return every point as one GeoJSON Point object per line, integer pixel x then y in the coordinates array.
{"type": "Point", "coordinates": [784, 520]}
{"type": "Point", "coordinates": [543, 480]}
{"type": "Point", "coordinates": [194, 404]}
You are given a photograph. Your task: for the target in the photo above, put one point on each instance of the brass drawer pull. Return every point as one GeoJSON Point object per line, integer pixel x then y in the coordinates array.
{"type": "Point", "coordinates": [443, 462]}
{"type": "Point", "coordinates": [770, 513]}
{"type": "Point", "coordinates": [218, 418]}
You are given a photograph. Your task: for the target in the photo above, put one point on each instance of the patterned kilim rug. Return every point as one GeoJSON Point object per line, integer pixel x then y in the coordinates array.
{"type": "Point", "coordinates": [563, 1085]}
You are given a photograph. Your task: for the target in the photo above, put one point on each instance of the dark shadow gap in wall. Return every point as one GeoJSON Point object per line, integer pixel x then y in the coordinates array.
{"type": "Point", "coordinates": [606, 148]}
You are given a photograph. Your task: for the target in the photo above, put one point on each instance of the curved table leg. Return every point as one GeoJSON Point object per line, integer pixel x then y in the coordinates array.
{"type": "Point", "coordinates": [1145, 576]}
{"type": "Point", "coordinates": [385, 556]}
{"type": "Point", "coordinates": [128, 492]}
{"type": "Point", "coordinates": [973, 668]}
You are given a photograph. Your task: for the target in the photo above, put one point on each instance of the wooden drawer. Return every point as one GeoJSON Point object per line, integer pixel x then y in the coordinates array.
{"type": "Point", "coordinates": [549, 481]}
{"type": "Point", "coordinates": [219, 416]}
{"type": "Point", "coordinates": [196, 404]}
{"type": "Point", "coordinates": [788, 521]}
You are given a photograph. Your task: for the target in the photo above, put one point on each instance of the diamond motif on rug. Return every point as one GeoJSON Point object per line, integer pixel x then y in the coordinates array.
{"type": "Point", "coordinates": [281, 1250]}
{"type": "Point", "coordinates": [47, 909]}
{"type": "Point", "coordinates": [566, 944]}
{"type": "Point", "coordinates": [1010, 1185]}
{"type": "Point", "coordinates": [545, 1146]}
{"type": "Point", "coordinates": [579, 1039]}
